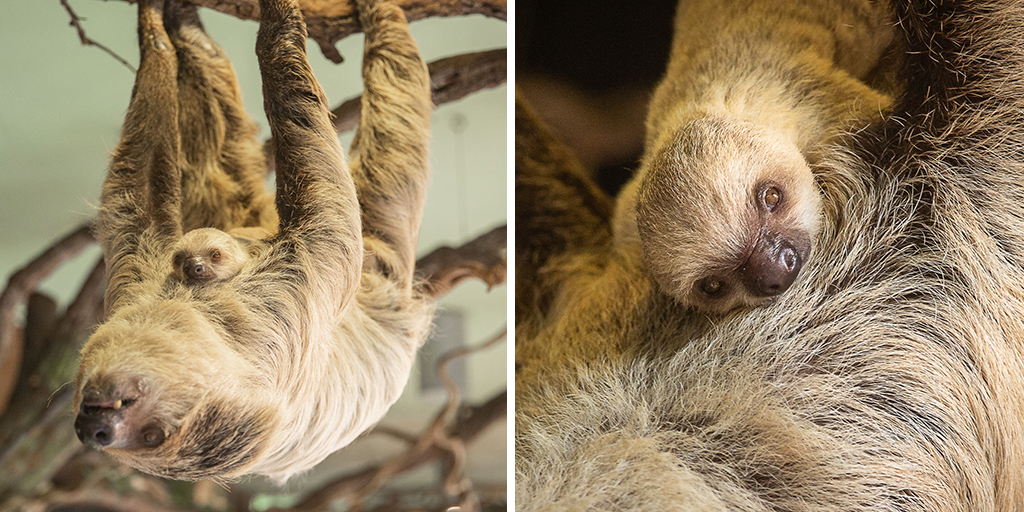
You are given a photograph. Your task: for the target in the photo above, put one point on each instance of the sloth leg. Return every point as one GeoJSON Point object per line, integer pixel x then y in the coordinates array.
{"type": "Point", "coordinates": [390, 158]}
{"type": "Point", "coordinates": [319, 241]}
{"type": "Point", "coordinates": [223, 167]}
{"type": "Point", "coordinates": [559, 210]}
{"type": "Point", "coordinates": [141, 198]}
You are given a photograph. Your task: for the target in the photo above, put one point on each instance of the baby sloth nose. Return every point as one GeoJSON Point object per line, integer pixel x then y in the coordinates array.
{"type": "Point", "coordinates": [197, 270]}
{"type": "Point", "coordinates": [772, 267]}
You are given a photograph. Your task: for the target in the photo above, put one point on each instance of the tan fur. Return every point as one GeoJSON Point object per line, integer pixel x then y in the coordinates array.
{"type": "Point", "coordinates": [209, 254]}
{"type": "Point", "coordinates": [314, 336]}
{"type": "Point", "coordinates": [889, 377]}
{"type": "Point", "coordinates": [753, 93]}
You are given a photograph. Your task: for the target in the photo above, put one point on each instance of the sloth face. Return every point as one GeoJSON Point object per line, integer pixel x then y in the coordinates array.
{"type": "Point", "coordinates": [158, 391]}
{"type": "Point", "coordinates": [207, 254]}
{"type": "Point", "coordinates": [727, 215]}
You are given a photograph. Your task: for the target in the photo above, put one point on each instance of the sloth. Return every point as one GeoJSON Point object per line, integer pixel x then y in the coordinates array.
{"type": "Point", "coordinates": [313, 338]}
{"type": "Point", "coordinates": [724, 207]}
{"type": "Point", "coordinates": [209, 254]}
{"type": "Point", "coordinates": [890, 376]}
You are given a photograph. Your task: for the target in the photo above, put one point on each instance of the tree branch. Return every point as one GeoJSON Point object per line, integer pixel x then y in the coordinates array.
{"type": "Point", "coordinates": [451, 79]}
{"type": "Point", "coordinates": [485, 258]}
{"type": "Point", "coordinates": [76, 21]}
{"type": "Point", "coordinates": [329, 21]}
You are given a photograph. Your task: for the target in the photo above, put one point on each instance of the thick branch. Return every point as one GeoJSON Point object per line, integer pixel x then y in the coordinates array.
{"type": "Point", "coordinates": [451, 79]}
{"type": "Point", "coordinates": [331, 21]}
{"type": "Point", "coordinates": [485, 257]}
{"type": "Point", "coordinates": [21, 284]}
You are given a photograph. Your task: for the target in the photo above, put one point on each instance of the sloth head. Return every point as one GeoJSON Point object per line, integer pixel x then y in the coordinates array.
{"type": "Point", "coordinates": [159, 391]}
{"type": "Point", "coordinates": [208, 255]}
{"type": "Point", "coordinates": [726, 214]}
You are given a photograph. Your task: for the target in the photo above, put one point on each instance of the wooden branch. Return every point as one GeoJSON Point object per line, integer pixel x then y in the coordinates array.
{"type": "Point", "coordinates": [329, 21]}
{"type": "Point", "coordinates": [451, 79]}
{"type": "Point", "coordinates": [21, 284]}
{"type": "Point", "coordinates": [485, 258]}
{"type": "Point", "coordinates": [76, 21]}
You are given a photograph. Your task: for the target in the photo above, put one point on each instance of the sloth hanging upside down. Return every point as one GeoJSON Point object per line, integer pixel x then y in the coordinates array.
{"type": "Point", "coordinates": [287, 352]}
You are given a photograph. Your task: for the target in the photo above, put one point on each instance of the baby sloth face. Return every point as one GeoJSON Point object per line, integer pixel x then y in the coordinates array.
{"type": "Point", "coordinates": [207, 255]}
{"type": "Point", "coordinates": [727, 215]}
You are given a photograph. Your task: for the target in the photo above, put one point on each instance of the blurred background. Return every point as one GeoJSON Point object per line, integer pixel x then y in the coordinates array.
{"type": "Point", "coordinates": [61, 108]}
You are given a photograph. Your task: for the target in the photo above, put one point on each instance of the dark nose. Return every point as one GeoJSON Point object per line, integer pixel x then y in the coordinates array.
{"type": "Point", "coordinates": [772, 267]}
{"type": "Point", "coordinates": [94, 425]}
{"type": "Point", "coordinates": [196, 269]}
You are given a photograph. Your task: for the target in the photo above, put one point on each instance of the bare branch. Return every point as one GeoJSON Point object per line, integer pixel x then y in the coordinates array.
{"type": "Point", "coordinates": [21, 284]}
{"type": "Point", "coordinates": [485, 257]}
{"type": "Point", "coordinates": [451, 79]}
{"type": "Point", "coordinates": [76, 21]}
{"type": "Point", "coordinates": [331, 21]}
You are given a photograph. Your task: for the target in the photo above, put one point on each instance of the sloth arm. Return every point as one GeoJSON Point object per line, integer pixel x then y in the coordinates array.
{"type": "Point", "coordinates": [318, 244]}
{"type": "Point", "coordinates": [141, 197]}
{"type": "Point", "coordinates": [560, 212]}
{"type": "Point", "coordinates": [390, 163]}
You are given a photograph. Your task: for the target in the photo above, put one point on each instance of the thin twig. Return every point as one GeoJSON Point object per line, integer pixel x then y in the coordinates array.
{"type": "Point", "coordinates": [76, 21]}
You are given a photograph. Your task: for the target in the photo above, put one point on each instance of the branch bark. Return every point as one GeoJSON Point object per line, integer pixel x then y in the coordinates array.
{"type": "Point", "coordinates": [451, 79]}
{"type": "Point", "coordinates": [329, 21]}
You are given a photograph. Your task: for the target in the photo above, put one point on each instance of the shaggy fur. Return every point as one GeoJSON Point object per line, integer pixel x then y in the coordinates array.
{"type": "Point", "coordinates": [209, 254]}
{"type": "Point", "coordinates": [724, 205]}
{"type": "Point", "coordinates": [889, 377]}
{"type": "Point", "coordinates": [269, 371]}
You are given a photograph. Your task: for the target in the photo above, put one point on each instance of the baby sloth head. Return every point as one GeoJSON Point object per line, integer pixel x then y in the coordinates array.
{"type": "Point", "coordinates": [727, 214]}
{"type": "Point", "coordinates": [208, 254]}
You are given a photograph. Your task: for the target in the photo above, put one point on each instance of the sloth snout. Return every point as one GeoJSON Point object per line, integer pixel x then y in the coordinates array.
{"type": "Point", "coordinates": [772, 267]}
{"type": "Point", "coordinates": [108, 418]}
{"type": "Point", "coordinates": [196, 269]}
{"type": "Point", "coordinates": [97, 424]}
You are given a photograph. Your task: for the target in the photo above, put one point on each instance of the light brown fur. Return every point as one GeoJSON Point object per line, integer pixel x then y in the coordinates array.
{"type": "Point", "coordinates": [724, 207]}
{"type": "Point", "coordinates": [209, 254]}
{"type": "Point", "coordinates": [313, 338]}
{"type": "Point", "coordinates": [889, 377]}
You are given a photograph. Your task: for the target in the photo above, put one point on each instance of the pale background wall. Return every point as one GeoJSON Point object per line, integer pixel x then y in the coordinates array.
{"type": "Point", "coordinates": [61, 107]}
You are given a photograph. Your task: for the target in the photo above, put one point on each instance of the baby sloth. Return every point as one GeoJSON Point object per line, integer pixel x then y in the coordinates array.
{"type": "Point", "coordinates": [737, 226]}
{"type": "Point", "coordinates": [207, 254]}
{"type": "Point", "coordinates": [724, 209]}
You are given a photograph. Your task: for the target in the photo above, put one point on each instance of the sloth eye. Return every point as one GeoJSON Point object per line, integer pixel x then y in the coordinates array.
{"type": "Point", "coordinates": [771, 197]}
{"type": "Point", "coordinates": [178, 259]}
{"type": "Point", "coordinates": [215, 256]}
{"type": "Point", "coordinates": [711, 286]}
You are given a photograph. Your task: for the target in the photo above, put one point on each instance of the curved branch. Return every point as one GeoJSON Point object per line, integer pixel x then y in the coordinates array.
{"type": "Point", "coordinates": [21, 284]}
{"type": "Point", "coordinates": [485, 257]}
{"type": "Point", "coordinates": [331, 21]}
{"type": "Point", "coordinates": [451, 79]}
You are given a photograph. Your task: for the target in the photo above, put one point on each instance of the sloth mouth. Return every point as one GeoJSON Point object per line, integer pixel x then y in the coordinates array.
{"type": "Point", "coordinates": [97, 406]}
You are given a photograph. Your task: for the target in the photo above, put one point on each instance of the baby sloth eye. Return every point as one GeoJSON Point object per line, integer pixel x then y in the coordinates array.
{"type": "Point", "coordinates": [178, 258]}
{"type": "Point", "coordinates": [215, 256]}
{"type": "Point", "coordinates": [771, 197]}
{"type": "Point", "coordinates": [711, 286]}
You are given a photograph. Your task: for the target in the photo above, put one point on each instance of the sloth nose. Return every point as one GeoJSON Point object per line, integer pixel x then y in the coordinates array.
{"type": "Point", "coordinates": [772, 267]}
{"type": "Point", "coordinates": [96, 425]}
{"type": "Point", "coordinates": [197, 270]}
